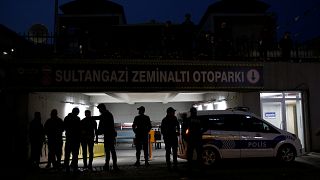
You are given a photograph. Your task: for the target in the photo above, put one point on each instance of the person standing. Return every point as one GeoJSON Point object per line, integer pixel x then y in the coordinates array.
{"type": "Point", "coordinates": [89, 135]}
{"type": "Point", "coordinates": [170, 130]}
{"type": "Point", "coordinates": [72, 127]}
{"type": "Point", "coordinates": [194, 136]}
{"type": "Point", "coordinates": [187, 36]}
{"type": "Point", "coordinates": [106, 127]}
{"type": "Point", "coordinates": [168, 39]}
{"type": "Point", "coordinates": [286, 45]}
{"type": "Point", "coordinates": [223, 40]}
{"type": "Point", "coordinates": [141, 127]}
{"type": "Point", "coordinates": [264, 43]}
{"type": "Point", "coordinates": [53, 129]}
{"type": "Point", "coordinates": [37, 138]}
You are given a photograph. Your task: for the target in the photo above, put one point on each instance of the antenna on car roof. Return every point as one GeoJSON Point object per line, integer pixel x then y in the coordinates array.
{"type": "Point", "coordinates": [239, 108]}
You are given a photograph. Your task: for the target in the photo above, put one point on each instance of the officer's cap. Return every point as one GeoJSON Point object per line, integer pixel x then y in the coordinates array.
{"type": "Point", "coordinates": [101, 106]}
{"type": "Point", "coordinates": [141, 108]}
{"type": "Point", "coordinates": [170, 109]}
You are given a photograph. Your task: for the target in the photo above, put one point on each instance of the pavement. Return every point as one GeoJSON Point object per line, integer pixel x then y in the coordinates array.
{"type": "Point", "coordinates": [311, 158]}
{"type": "Point", "coordinates": [126, 159]}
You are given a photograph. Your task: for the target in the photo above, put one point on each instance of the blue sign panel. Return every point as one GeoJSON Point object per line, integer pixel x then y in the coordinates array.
{"type": "Point", "coordinates": [270, 115]}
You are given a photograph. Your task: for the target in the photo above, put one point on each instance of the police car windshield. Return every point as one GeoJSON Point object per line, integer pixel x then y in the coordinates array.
{"type": "Point", "coordinates": [237, 122]}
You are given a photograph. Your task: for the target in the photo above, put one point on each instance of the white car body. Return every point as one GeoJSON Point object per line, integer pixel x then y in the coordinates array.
{"type": "Point", "coordinates": [240, 134]}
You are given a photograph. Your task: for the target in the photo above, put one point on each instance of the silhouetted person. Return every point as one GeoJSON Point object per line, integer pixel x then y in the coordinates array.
{"type": "Point", "coordinates": [264, 43]}
{"type": "Point", "coordinates": [168, 39]}
{"type": "Point", "coordinates": [37, 137]}
{"type": "Point", "coordinates": [204, 44]}
{"type": "Point", "coordinates": [106, 127]}
{"type": "Point", "coordinates": [54, 128]}
{"type": "Point", "coordinates": [187, 36]}
{"type": "Point", "coordinates": [72, 145]}
{"type": "Point", "coordinates": [89, 135]}
{"type": "Point", "coordinates": [170, 130]}
{"type": "Point", "coordinates": [223, 40]}
{"type": "Point", "coordinates": [195, 129]}
{"type": "Point", "coordinates": [286, 45]}
{"type": "Point", "coordinates": [141, 127]}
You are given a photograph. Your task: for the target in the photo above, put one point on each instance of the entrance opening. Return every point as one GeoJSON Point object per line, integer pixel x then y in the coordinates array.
{"type": "Point", "coordinates": [123, 106]}
{"type": "Point", "coordinates": [284, 110]}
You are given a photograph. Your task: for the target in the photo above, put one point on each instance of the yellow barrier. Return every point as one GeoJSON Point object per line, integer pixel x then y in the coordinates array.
{"type": "Point", "coordinates": [98, 151]}
{"type": "Point", "coordinates": [151, 140]}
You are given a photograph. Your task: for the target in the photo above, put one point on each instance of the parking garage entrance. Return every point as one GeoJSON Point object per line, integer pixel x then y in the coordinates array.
{"type": "Point", "coordinates": [127, 84]}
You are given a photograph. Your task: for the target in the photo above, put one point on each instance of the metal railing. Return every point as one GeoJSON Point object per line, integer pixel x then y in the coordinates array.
{"type": "Point", "coordinates": [116, 48]}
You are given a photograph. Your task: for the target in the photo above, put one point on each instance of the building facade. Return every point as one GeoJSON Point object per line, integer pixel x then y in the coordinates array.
{"type": "Point", "coordinates": [285, 93]}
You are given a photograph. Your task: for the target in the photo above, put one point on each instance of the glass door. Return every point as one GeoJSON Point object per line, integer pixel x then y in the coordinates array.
{"type": "Point", "coordinates": [272, 112]}
{"type": "Point", "coordinates": [284, 110]}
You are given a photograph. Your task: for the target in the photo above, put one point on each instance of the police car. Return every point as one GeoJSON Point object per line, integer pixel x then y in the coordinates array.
{"type": "Point", "coordinates": [240, 134]}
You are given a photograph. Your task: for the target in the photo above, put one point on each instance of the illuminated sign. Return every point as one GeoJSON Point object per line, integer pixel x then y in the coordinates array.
{"type": "Point", "coordinates": [270, 115]}
{"type": "Point", "coordinates": [142, 77]}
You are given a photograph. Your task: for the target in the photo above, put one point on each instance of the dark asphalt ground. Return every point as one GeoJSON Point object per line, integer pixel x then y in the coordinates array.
{"type": "Point", "coordinates": [306, 167]}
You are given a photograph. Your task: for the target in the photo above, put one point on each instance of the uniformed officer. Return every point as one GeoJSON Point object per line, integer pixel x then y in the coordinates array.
{"type": "Point", "coordinates": [170, 130]}
{"type": "Point", "coordinates": [194, 136]}
{"type": "Point", "coordinates": [106, 127]}
{"type": "Point", "coordinates": [54, 128]}
{"type": "Point", "coordinates": [89, 135]}
{"type": "Point", "coordinates": [72, 127]}
{"type": "Point", "coordinates": [141, 127]}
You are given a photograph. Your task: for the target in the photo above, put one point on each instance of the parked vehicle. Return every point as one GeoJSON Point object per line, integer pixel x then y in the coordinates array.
{"type": "Point", "coordinates": [240, 134]}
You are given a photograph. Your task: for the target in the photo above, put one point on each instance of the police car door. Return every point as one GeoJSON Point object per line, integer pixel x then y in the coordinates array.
{"type": "Point", "coordinates": [225, 135]}
{"type": "Point", "coordinates": [256, 137]}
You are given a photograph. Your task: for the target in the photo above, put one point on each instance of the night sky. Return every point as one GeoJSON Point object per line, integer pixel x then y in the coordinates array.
{"type": "Point", "coordinates": [297, 16]}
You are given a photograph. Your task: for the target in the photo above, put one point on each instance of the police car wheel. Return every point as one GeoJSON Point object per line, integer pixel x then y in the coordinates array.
{"type": "Point", "coordinates": [286, 154]}
{"type": "Point", "coordinates": [209, 156]}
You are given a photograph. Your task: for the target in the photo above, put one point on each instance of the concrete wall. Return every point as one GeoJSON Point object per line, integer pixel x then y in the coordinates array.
{"type": "Point", "coordinates": [44, 102]}
{"type": "Point", "coordinates": [156, 111]}
{"type": "Point", "coordinates": [252, 101]}
{"type": "Point", "coordinates": [14, 129]}
{"type": "Point", "coordinates": [303, 77]}
{"type": "Point", "coordinates": [122, 112]}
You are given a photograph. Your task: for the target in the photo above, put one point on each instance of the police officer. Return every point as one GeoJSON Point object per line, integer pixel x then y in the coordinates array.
{"type": "Point", "coordinates": [89, 135]}
{"type": "Point", "coordinates": [37, 138]}
{"type": "Point", "coordinates": [72, 127]}
{"type": "Point", "coordinates": [194, 136]}
{"type": "Point", "coordinates": [141, 127]}
{"type": "Point", "coordinates": [54, 128]}
{"type": "Point", "coordinates": [170, 130]}
{"type": "Point", "coordinates": [106, 127]}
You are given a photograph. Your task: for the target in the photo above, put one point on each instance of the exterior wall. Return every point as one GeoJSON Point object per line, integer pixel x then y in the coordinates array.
{"type": "Point", "coordinates": [233, 99]}
{"type": "Point", "coordinates": [44, 102]}
{"type": "Point", "coordinates": [303, 77]}
{"type": "Point", "coordinates": [156, 111]}
{"type": "Point", "coordinates": [14, 128]}
{"type": "Point", "coordinates": [252, 101]}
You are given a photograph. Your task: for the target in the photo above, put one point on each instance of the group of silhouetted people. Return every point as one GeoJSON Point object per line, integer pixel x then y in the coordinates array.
{"type": "Point", "coordinates": [78, 133]}
{"type": "Point", "coordinates": [85, 133]}
{"type": "Point", "coordinates": [170, 129]}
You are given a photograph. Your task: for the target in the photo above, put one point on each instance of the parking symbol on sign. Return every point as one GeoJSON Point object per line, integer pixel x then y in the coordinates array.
{"type": "Point", "coordinates": [253, 76]}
